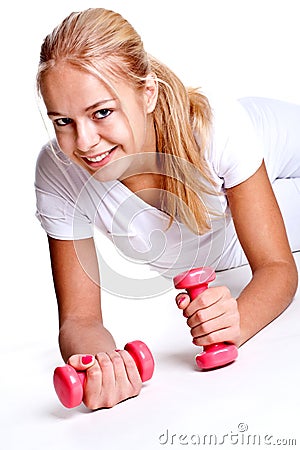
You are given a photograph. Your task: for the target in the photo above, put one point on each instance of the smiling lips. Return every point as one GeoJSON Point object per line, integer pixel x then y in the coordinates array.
{"type": "Point", "coordinates": [97, 158]}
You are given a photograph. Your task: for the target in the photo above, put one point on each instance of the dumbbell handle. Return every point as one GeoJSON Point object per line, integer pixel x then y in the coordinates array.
{"type": "Point", "coordinates": [195, 282]}
{"type": "Point", "coordinates": [68, 382]}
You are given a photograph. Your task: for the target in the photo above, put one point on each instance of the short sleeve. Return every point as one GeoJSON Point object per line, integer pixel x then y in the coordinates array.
{"type": "Point", "coordinates": [57, 199]}
{"type": "Point", "coordinates": [237, 151]}
{"type": "Point", "coordinates": [60, 219]}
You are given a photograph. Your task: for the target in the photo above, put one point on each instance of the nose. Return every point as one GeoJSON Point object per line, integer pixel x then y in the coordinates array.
{"type": "Point", "coordinates": [87, 137]}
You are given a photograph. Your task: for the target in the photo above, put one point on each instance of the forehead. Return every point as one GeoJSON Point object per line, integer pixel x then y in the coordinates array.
{"type": "Point", "coordinates": [64, 80]}
{"type": "Point", "coordinates": [70, 90]}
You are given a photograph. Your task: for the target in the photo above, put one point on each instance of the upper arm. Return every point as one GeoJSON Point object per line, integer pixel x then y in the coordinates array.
{"type": "Point", "coordinates": [258, 220]}
{"type": "Point", "coordinates": [76, 278]}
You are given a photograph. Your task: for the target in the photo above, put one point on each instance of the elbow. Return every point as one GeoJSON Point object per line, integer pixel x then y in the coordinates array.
{"type": "Point", "coordinates": [294, 279]}
{"type": "Point", "coordinates": [289, 273]}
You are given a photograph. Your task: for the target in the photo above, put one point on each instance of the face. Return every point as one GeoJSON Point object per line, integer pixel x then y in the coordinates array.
{"type": "Point", "coordinates": [95, 128]}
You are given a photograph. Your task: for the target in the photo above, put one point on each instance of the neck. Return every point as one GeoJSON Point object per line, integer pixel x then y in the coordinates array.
{"type": "Point", "coordinates": [146, 180]}
{"type": "Point", "coordinates": [143, 176]}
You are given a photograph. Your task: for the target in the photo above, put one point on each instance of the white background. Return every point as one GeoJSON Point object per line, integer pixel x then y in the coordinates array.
{"type": "Point", "coordinates": [235, 47]}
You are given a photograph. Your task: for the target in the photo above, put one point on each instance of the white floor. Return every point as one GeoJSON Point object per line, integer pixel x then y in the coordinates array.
{"type": "Point", "coordinates": [255, 400]}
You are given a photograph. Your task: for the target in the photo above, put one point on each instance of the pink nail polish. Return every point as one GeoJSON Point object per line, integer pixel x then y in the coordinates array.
{"type": "Point", "coordinates": [179, 301]}
{"type": "Point", "coordinates": [87, 359]}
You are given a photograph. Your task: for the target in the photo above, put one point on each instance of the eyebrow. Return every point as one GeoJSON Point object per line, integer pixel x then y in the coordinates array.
{"type": "Point", "coordinates": [95, 105]}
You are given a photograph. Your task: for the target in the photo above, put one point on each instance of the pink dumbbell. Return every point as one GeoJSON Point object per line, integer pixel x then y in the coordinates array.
{"type": "Point", "coordinates": [68, 382]}
{"type": "Point", "coordinates": [196, 281]}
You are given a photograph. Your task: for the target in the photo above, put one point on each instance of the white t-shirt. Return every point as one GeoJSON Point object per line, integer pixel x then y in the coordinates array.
{"type": "Point", "coordinates": [70, 203]}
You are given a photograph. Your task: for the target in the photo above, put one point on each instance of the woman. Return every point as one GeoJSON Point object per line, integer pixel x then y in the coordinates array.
{"type": "Point", "coordinates": [135, 151]}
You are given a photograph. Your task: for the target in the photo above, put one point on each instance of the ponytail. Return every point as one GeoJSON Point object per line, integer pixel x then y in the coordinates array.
{"type": "Point", "coordinates": [102, 42]}
{"type": "Point", "coordinates": [182, 120]}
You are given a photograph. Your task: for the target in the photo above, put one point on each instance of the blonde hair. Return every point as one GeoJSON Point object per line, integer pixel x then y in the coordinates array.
{"type": "Point", "coordinates": [104, 44]}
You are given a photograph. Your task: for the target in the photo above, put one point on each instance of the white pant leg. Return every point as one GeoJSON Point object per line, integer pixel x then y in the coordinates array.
{"type": "Point", "coordinates": [278, 126]}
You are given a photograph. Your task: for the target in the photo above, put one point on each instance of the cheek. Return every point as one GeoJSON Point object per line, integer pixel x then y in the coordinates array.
{"type": "Point", "coordinates": [120, 133]}
{"type": "Point", "coordinates": [130, 129]}
{"type": "Point", "coordinates": [136, 135]}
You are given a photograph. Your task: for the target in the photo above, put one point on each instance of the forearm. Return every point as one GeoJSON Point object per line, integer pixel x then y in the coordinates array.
{"type": "Point", "coordinates": [78, 336]}
{"type": "Point", "coordinates": [267, 295]}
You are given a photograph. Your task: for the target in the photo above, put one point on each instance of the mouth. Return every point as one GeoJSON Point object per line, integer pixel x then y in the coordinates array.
{"type": "Point", "coordinates": [98, 160]}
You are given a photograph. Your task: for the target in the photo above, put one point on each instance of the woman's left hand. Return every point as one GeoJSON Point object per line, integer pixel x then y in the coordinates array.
{"type": "Point", "coordinates": [212, 316]}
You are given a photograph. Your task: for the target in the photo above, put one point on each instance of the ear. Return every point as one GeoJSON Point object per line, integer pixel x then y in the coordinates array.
{"type": "Point", "coordinates": [151, 92]}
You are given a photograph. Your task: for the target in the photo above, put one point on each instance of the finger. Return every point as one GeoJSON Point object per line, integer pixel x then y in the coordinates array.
{"type": "Point", "coordinates": [226, 307]}
{"type": "Point", "coordinates": [81, 361]}
{"type": "Point", "coordinates": [108, 373]}
{"type": "Point", "coordinates": [228, 335]}
{"type": "Point", "coordinates": [132, 373]}
{"type": "Point", "coordinates": [208, 298]}
{"type": "Point", "coordinates": [206, 314]}
{"type": "Point", "coordinates": [93, 387]}
{"type": "Point", "coordinates": [182, 300]}
{"type": "Point", "coordinates": [203, 301]}
{"type": "Point", "coordinates": [116, 386]}
{"type": "Point", "coordinates": [99, 389]}
{"type": "Point", "coordinates": [227, 327]}
{"type": "Point", "coordinates": [120, 373]}
{"type": "Point", "coordinates": [210, 326]}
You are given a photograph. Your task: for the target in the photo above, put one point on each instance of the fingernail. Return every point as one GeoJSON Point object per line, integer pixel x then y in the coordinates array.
{"type": "Point", "coordinates": [87, 359]}
{"type": "Point", "coordinates": [180, 300]}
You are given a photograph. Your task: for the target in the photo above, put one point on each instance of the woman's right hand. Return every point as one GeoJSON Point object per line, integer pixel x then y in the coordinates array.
{"type": "Point", "coordinates": [110, 378]}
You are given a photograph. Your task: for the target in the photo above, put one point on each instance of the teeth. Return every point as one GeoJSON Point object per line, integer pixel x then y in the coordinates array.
{"type": "Point", "coordinates": [98, 158]}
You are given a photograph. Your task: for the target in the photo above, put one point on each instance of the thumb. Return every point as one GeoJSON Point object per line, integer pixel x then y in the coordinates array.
{"type": "Point", "coordinates": [182, 300]}
{"type": "Point", "coordinates": [81, 362]}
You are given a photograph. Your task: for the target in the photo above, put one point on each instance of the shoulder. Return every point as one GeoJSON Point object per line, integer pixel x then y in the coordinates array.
{"type": "Point", "coordinates": [55, 172]}
{"type": "Point", "coordinates": [236, 151]}
{"type": "Point", "coordinates": [230, 122]}
{"type": "Point", "coordinates": [58, 186]}
{"type": "Point", "coordinates": [51, 156]}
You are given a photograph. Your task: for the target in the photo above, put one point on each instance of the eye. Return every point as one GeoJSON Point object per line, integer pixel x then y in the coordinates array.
{"type": "Point", "coordinates": [63, 121]}
{"type": "Point", "coordinates": [102, 113]}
